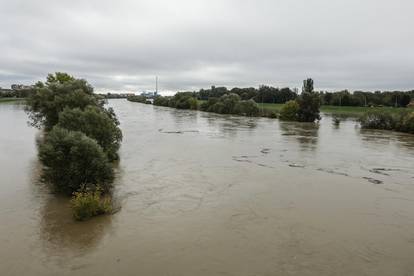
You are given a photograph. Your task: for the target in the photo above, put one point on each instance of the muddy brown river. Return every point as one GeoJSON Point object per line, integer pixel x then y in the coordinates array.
{"type": "Point", "coordinates": [207, 194]}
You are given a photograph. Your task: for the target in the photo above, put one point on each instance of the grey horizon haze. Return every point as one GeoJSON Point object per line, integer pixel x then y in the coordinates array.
{"type": "Point", "coordinates": [122, 45]}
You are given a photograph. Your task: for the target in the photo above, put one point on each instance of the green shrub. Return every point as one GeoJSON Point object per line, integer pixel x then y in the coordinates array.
{"type": "Point", "coordinates": [377, 119]}
{"type": "Point", "coordinates": [162, 101]}
{"type": "Point", "coordinates": [205, 106]}
{"type": "Point", "coordinates": [86, 204]}
{"type": "Point", "coordinates": [406, 123]}
{"type": "Point", "coordinates": [71, 159]}
{"type": "Point", "coordinates": [289, 111]}
{"type": "Point", "coordinates": [246, 108]}
{"type": "Point", "coordinates": [96, 123]}
{"type": "Point", "coordinates": [137, 98]}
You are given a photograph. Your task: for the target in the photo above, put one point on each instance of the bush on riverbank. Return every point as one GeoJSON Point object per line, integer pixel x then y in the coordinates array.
{"type": "Point", "coordinates": [230, 104]}
{"type": "Point", "coordinates": [181, 100]}
{"type": "Point", "coordinates": [87, 203]}
{"type": "Point", "coordinates": [289, 111]}
{"type": "Point", "coordinates": [406, 123]}
{"type": "Point", "coordinates": [137, 98]}
{"type": "Point", "coordinates": [376, 119]}
{"type": "Point", "coordinates": [247, 108]}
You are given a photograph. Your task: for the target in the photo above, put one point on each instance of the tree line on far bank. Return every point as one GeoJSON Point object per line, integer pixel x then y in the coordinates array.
{"type": "Point", "coordinates": [80, 141]}
{"type": "Point", "coordinates": [269, 94]}
{"type": "Point", "coordinates": [232, 103]}
{"type": "Point", "coordinates": [303, 108]}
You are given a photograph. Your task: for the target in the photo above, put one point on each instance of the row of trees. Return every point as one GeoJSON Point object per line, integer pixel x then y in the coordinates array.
{"type": "Point", "coordinates": [225, 104]}
{"type": "Point", "coordinates": [269, 94]}
{"type": "Point", "coordinates": [16, 93]}
{"type": "Point", "coordinates": [264, 94]}
{"type": "Point", "coordinates": [81, 140]}
{"type": "Point", "coordinates": [359, 98]}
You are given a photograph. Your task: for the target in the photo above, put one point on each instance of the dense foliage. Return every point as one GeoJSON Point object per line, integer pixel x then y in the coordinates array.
{"type": "Point", "coordinates": [265, 94]}
{"type": "Point", "coordinates": [308, 103]}
{"type": "Point", "coordinates": [377, 119]}
{"type": "Point", "coordinates": [181, 100]}
{"type": "Point", "coordinates": [359, 98]}
{"type": "Point", "coordinates": [81, 136]}
{"type": "Point", "coordinates": [60, 91]}
{"type": "Point", "coordinates": [230, 104]}
{"type": "Point", "coordinates": [71, 160]}
{"type": "Point", "coordinates": [289, 111]}
{"type": "Point", "coordinates": [138, 99]}
{"type": "Point", "coordinates": [97, 123]}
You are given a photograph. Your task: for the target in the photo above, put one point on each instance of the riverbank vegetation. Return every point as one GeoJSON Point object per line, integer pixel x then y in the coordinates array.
{"type": "Point", "coordinates": [403, 122]}
{"type": "Point", "coordinates": [81, 136]}
{"type": "Point", "coordinates": [305, 107]}
{"type": "Point", "coordinates": [138, 99]}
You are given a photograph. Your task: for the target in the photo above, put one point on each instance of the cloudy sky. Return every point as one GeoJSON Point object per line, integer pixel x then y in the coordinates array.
{"type": "Point", "coordinates": [190, 44]}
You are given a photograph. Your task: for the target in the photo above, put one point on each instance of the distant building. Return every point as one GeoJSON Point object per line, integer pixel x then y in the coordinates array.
{"type": "Point", "coordinates": [21, 87]}
{"type": "Point", "coordinates": [149, 95]}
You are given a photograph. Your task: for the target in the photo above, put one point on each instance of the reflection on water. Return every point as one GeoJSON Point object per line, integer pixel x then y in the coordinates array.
{"type": "Point", "coordinates": [306, 134]}
{"type": "Point", "coordinates": [59, 232]}
{"type": "Point", "coordinates": [207, 194]}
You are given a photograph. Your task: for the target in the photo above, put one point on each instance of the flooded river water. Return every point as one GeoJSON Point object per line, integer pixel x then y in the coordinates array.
{"type": "Point", "coordinates": [206, 194]}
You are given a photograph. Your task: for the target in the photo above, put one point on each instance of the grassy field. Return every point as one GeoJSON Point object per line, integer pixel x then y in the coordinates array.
{"type": "Point", "coordinates": [5, 100]}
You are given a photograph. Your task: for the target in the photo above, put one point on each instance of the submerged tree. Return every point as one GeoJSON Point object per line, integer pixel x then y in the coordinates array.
{"type": "Point", "coordinates": [308, 103]}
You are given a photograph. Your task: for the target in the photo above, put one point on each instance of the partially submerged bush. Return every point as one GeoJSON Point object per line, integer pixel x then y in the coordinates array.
{"type": "Point", "coordinates": [377, 119]}
{"type": "Point", "coordinates": [88, 203]}
{"type": "Point", "coordinates": [336, 121]}
{"type": "Point", "coordinates": [289, 111]}
{"type": "Point", "coordinates": [72, 159]}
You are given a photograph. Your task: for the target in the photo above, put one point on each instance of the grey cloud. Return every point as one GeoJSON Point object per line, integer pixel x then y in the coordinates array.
{"type": "Point", "coordinates": [122, 45]}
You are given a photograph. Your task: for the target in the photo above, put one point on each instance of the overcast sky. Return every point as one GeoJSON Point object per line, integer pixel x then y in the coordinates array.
{"type": "Point", "coordinates": [190, 44]}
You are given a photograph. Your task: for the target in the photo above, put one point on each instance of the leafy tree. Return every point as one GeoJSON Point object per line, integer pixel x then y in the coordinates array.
{"type": "Point", "coordinates": [307, 86]}
{"type": "Point", "coordinates": [97, 123]}
{"type": "Point", "coordinates": [308, 103]}
{"type": "Point", "coordinates": [61, 90]}
{"type": "Point", "coordinates": [73, 160]}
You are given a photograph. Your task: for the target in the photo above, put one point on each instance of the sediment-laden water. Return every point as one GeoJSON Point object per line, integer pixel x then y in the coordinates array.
{"type": "Point", "coordinates": [206, 194]}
